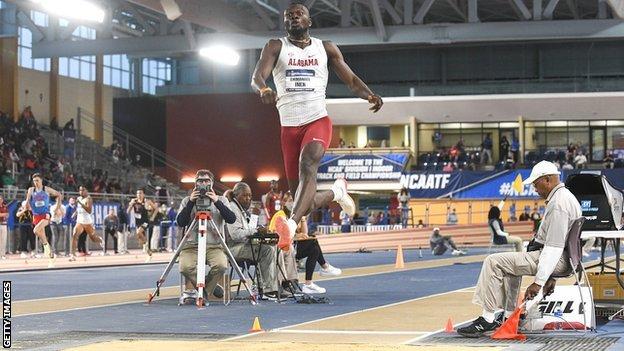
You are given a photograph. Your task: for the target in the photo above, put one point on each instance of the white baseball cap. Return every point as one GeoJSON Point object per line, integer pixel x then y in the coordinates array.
{"type": "Point", "coordinates": [542, 168]}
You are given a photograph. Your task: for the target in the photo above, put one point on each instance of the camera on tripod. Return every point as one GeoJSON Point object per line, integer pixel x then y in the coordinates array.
{"type": "Point", "coordinates": [203, 186]}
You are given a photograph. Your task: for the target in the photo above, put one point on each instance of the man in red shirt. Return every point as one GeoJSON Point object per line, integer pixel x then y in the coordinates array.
{"type": "Point", "coordinates": [272, 200]}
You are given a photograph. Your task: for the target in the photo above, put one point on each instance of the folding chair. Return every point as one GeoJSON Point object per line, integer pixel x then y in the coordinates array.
{"type": "Point", "coordinates": [574, 249]}
{"type": "Point", "coordinates": [245, 266]}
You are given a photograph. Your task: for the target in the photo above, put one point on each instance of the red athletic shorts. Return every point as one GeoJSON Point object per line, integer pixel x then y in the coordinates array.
{"type": "Point", "coordinates": [40, 217]}
{"type": "Point", "coordinates": [294, 139]}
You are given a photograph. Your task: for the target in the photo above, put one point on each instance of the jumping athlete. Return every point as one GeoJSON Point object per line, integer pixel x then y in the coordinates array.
{"type": "Point", "coordinates": [299, 63]}
{"type": "Point", "coordinates": [84, 221]}
{"type": "Point", "coordinates": [38, 201]}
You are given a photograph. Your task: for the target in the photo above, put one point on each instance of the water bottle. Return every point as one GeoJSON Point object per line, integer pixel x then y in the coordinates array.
{"type": "Point", "coordinates": [558, 314]}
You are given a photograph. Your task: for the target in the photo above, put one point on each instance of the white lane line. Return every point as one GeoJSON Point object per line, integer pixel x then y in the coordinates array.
{"type": "Point", "coordinates": [350, 332]}
{"type": "Point", "coordinates": [81, 308]}
{"type": "Point", "coordinates": [347, 314]}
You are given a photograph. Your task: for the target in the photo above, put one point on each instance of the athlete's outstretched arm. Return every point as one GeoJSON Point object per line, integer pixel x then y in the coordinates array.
{"type": "Point", "coordinates": [346, 75]}
{"type": "Point", "coordinates": [263, 69]}
{"type": "Point", "coordinates": [28, 195]}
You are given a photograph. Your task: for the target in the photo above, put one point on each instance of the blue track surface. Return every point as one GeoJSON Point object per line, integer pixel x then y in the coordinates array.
{"type": "Point", "coordinates": [347, 295]}
{"type": "Point", "coordinates": [57, 283]}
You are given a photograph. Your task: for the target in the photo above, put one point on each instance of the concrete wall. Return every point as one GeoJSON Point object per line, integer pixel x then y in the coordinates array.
{"type": "Point", "coordinates": [73, 93]}
{"type": "Point", "coordinates": [38, 97]}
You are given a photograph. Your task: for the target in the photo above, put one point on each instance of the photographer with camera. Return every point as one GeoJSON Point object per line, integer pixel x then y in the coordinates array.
{"type": "Point", "coordinates": [203, 198]}
{"type": "Point", "coordinates": [242, 249]}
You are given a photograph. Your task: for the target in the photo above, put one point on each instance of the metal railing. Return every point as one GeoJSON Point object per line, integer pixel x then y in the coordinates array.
{"type": "Point", "coordinates": [156, 157]}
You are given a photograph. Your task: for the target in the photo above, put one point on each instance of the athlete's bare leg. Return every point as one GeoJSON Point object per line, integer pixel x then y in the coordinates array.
{"type": "Point", "coordinates": [140, 232]}
{"type": "Point", "coordinates": [40, 230]}
{"type": "Point", "coordinates": [304, 190]}
{"type": "Point", "coordinates": [91, 233]}
{"type": "Point", "coordinates": [78, 229]}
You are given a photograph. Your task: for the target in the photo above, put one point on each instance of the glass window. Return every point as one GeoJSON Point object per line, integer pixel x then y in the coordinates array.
{"type": "Point", "coordinates": [615, 123]}
{"type": "Point", "coordinates": [155, 73]}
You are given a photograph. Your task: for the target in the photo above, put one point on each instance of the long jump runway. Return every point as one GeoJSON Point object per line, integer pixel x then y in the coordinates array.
{"type": "Point", "coordinates": [372, 302]}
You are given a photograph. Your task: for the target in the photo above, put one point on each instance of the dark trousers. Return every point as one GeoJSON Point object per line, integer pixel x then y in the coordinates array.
{"type": "Point", "coordinates": [113, 234]}
{"type": "Point", "coordinates": [312, 251]}
{"type": "Point", "coordinates": [82, 242]}
{"type": "Point", "coordinates": [26, 236]}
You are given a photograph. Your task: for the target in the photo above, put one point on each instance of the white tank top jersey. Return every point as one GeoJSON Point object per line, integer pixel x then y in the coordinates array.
{"type": "Point", "coordinates": [82, 216]}
{"type": "Point", "coordinates": [300, 77]}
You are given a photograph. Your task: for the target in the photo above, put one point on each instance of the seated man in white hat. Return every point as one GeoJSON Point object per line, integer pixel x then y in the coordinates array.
{"type": "Point", "coordinates": [501, 274]}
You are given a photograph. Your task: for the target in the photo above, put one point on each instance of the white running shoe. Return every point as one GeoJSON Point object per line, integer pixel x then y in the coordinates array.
{"type": "Point", "coordinates": [72, 258]}
{"type": "Point", "coordinates": [148, 259]}
{"type": "Point", "coordinates": [342, 197]}
{"type": "Point", "coordinates": [331, 271]}
{"type": "Point", "coordinates": [458, 253]}
{"type": "Point", "coordinates": [23, 255]}
{"type": "Point", "coordinates": [312, 289]}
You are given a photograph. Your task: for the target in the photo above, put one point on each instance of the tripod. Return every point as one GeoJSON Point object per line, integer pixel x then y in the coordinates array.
{"type": "Point", "coordinates": [204, 220]}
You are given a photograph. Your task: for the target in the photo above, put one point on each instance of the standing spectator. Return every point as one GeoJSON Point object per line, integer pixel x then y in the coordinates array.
{"type": "Point", "coordinates": [486, 149]}
{"type": "Point", "coordinates": [580, 160]}
{"type": "Point", "coordinates": [4, 215]}
{"type": "Point", "coordinates": [515, 148]}
{"type": "Point", "coordinates": [27, 236]}
{"type": "Point", "coordinates": [524, 217]}
{"type": "Point", "coordinates": [452, 218]}
{"type": "Point", "coordinates": [404, 198]}
{"type": "Point", "coordinates": [504, 148]}
{"type": "Point", "coordinates": [59, 238]}
{"type": "Point", "coordinates": [345, 222]}
{"type": "Point", "coordinates": [272, 200]}
{"type": "Point", "coordinates": [69, 221]}
{"type": "Point", "coordinates": [111, 226]}
{"type": "Point", "coordinates": [124, 226]}
{"type": "Point", "coordinates": [342, 144]}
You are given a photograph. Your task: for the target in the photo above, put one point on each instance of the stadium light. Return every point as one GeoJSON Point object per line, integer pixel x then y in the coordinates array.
{"type": "Point", "coordinates": [221, 54]}
{"type": "Point", "coordinates": [231, 179]}
{"type": "Point", "coordinates": [188, 179]}
{"type": "Point", "coordinates": [267, 178]}
{"type": "Point", "coordinates": [78, 9]}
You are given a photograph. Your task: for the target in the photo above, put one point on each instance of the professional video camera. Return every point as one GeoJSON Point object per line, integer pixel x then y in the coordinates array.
{"type": "Point", "coordinates": [203, 202]}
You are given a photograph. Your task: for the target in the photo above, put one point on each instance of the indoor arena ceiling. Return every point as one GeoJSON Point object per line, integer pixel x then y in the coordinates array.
{"type": "Point", "coordinates": [141, 27]}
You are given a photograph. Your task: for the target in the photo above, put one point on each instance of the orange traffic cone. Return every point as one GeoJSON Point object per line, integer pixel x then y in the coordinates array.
{"type": "Point", "coordinates": [449, 326]}
{"type": "Point", "coordinates": [509, 329]}
{"type": "Point", "coordinates": [399, 258]}
{"type": "Point", "coordinates": [256, 326]}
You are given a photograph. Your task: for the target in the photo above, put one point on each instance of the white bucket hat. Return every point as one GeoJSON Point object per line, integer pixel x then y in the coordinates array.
{"type": "Point", "coordinates": [541, 169]}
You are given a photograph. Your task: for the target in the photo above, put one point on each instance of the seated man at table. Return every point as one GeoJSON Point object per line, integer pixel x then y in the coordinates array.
{"type": "Point", "coordinates": [237, 236]}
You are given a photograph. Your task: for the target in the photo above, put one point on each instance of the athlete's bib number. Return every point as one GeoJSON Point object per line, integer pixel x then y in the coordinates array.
{"type": "Point", "coordinates": [39, 203]}
{"type": "Point", "coordinates": [137, 216]}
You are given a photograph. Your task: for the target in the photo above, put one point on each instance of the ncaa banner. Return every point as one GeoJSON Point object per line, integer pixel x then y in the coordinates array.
{"type": "Point", "coordinates": [100, 210]}
{"type": "Point", "coordinates": [499, 187]}
{"type": "Point", "coordinates": [359, 167]}
{"type": "Point", "coordinates": [437, 184]}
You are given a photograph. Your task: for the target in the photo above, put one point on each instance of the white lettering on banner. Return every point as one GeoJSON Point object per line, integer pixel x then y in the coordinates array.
{"type": "Point", "coordinates": [507, 190]}
{"type": "Point", "coordinates": [425, 181]}
{"type": "Point", "coordinates": [360, 169]}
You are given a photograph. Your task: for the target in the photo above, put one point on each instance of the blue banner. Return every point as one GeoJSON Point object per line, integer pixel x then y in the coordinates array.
{"type": "Point", "coordinates": [485, 185]}
{"type": "Point", "coordinates": [369, 167]}
{"type": "Point", "coordinates": [436, 184]}
{"type": "Point", "coordinates": [501, 186]}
